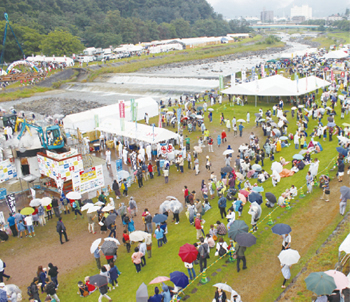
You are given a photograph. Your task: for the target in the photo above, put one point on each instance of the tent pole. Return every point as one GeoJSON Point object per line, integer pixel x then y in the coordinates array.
{"type": "Point", "coordinates": [255, 100]}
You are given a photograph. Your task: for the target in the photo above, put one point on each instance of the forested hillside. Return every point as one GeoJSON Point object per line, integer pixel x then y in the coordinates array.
{"type": "Point", "coordinates": [112, 22]}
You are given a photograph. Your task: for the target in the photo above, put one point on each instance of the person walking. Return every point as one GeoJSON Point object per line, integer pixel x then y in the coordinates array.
{"type": "Point", "coordinates": [326, 190]}
{"type": "Point", "coordinates": [210, 144]}
{"type": "Point", "coordinates": [76, 208]}
{"type": "Point", "coordinates": [97, 258]}
{"type": "Point", "coordinates": [91, 222]}
{"type": "Point", "coordinates": [286, 274]}
{"type": "Point", "coordinates": [248, 117]}
{"type": "Point", "coordinates": [158, 165]}
{"type": "Point", "coordinates": [159, 235]}
{"type": "Point", "coordinates": [2, 271]}
{"type": "Point", "coordinates": [108, 158]}
{"type": "Point", "coordinates": [103, 293]}
{"type": "Point", "coordinates": [126, 240]}
{"type": "Point", "coordinates": [53, 272]}
{"type": "Point", "coordinates": [222, 205]}
{"type": "Point", "coordinates": [116, 189]}
{"type": "Point", "coordinates": [136, 259]}
{"type": "Point", "coordinates": [287, 239]}
{"type": "Point", "coordinates": [240, 250]}
{"type": "Point", "coordinates": [55, 206]}
{"type": "Point", "coordinates": [142, 248]}
{"type": "Point", "coordinates": [113, 274]}
{"type": "Point", "coordinates": [196, 165]}
{"type": "Point", "coordinates": [198, 226]}
{"type": "Point", "coordinates": [12, 223]}
{"type": "Point", "coordinates": [309, 182]}
{"type": "Point", "coordinates": [41, 214]}
{"type": "Point", "coordinates": [132, 206]}
{"type": "Point", "coordinates": [240, 128]}
{"type": "Point", "coordinates": [50, 289]}
{"type": "Point", "coordinates": [61, 230]}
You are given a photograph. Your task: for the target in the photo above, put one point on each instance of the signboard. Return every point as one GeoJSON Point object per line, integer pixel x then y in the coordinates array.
{"type": "Point", "coordinates": [60, 156]}
{"type": "Point", "coordinates": [11, 202]}
{"type": "Point", "coordinates": [88, 180]}
{"type": "Point", "coordinates": [221, 82]}
{"type": "Point", "coordinates": [233, 79]}
{"type": "Point", "coordinates": [7, 170]}
{"type": "Point", "coordinates": [244, 76]}
{"type": "Point", "coordinates": [60, 170]}
{"type": "Point", "coordinates": [97, 121]}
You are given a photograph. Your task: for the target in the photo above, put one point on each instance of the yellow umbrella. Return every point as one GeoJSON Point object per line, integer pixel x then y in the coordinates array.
{"type": "Point", "coordinates": [27, 211]}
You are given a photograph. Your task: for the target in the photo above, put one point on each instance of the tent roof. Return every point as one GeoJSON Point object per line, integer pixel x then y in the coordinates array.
{"type": "Point", "coordinates": [336, 54]}
{"type": "Point", "coordinates": [277, 85]}
{"type": "Point", "coordinates": [345, 246]}
{"type": "Point", "coordinates": [142, 133]}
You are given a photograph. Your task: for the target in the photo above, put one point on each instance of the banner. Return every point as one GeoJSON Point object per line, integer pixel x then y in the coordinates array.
{"type": "Point", "coordinates": [346, 79]}
{"type": "Point", "coordinates": [11, 202]}
{"type": "Point", "coordinates": [233, 79]}
{"type": "Point", "coordinates": [244, 76]}
{"type": "Point", "coordinates": [221, 82]}
{"type": "Point", "coordinates": [178, 115]}
{"type": "Point", "coordinates": [122, 109]}
{"type": "Point", "coordinates": [297, 81]}
{"type": "Point", "coordinates": [132, 102]}
{"type": "Point", "coordinates": [262, 70]}
{"type": "Point", "coordinates": [7, 170]}
{"type": "Point", "coordinates": [332, 75]}
{"type": "Point", "coordinates": [160, 119]}
{"type": "Point", "coordinates": [97, 121]}
{"type": "Point", "coordinates": [88, 180]}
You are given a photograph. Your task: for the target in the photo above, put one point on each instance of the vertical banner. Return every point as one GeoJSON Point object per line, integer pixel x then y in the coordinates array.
{"type": "Point", "coordinates": [332, 75]}
{"type": "Point", "coordinates": [97, 121]}
{"type": "Point", "coordinates": [153, 131]}
{"type": "Point", "coordinates": [233, 79]}
{"type": "Point", "coordinates": [262, 70]}
{"type": "Point", "coordinates": [221, 82]}
{"type": "Point", "coordinates": [159, 119]}
{"type": "Point", "coordinates": [132, 104]}
{"type": "Point", "coordinates": [244, 76]}
{"type": "Point", "coordinates": [178, 118]}
{"type": "Point", "coordinates": [11, 202]}
{"type": "Point", "coordinates": [346, 79]}
{"type": "Point", "coordinates": [135, 114]}
{"type": "Point", "coordinates": [122, 115]}
{"type": "Point", "coordinates": [306, 83]}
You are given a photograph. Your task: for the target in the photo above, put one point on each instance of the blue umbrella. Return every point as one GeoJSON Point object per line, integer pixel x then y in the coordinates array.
{"type": "Point", "coordinates": [159, 218]}
{"type": "Point", "coordinates": [255, 197]}
{"type": "Point", "coordinates": [331, 124]}
{"type": "Point", "coordinates": [281, 229]}
{"type": "Point", "coordinates": [342, 151]}
{"type": "Point", "coordinates": [258, 189]}
{"type": "Point", "coordinates": [298, 156]}
{"type": "Point", "coordinates": [344, 92]}
{"type": "Point", "coordinates": [179, 279]}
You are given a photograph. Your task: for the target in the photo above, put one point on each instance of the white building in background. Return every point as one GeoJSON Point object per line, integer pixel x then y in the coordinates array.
{"type": "Point", "coordinates": [304, 10]}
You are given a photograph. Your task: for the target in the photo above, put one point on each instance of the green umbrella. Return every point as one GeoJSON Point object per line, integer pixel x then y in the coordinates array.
{"type": "Point", "coordinates": [320, 283]}
{"type": "Point", "coordinates": [27, 211]}
{"type": "Point", "coordinates": [199, 108]}
{"type": "Point", "coordinates": [237, 227]}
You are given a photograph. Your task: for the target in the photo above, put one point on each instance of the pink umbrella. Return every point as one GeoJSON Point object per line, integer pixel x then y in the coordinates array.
{"type": "Point", "coordinates": [244, 192]}
{"type": "Point", "coordinates": [340, 280]}
{"type": "Point", "coordinates": [242, 198]}
{"type": "Point", "coordinates": [250, 173]}
{"type": "Point", "coordinates": [159, 280]}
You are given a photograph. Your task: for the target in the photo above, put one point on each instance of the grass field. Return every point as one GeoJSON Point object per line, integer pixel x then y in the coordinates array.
{"type": "Point", "coordinates": [331, 38]}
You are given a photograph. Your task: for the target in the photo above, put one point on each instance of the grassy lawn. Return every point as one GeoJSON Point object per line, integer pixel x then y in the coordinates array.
{"type": "Point", "coordinates": [330, 38]}
{"type": "Point", "coordinates": [165, 260]}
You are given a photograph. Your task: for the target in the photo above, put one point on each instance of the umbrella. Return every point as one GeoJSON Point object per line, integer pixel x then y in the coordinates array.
{"type": "Point", "coordinates": [281, 229]}
{"type": "Point", "coordinates": [112, 239]}
{"type": "Point", "coordinates": [184, 118]}
{"type": "Point", "coordinates": [261, 120]}
{"type": "Point", "coordinates": [45, 201]}
{"type": "Point", "coordinates": [226, 152]}
{"type": "Point", "coordinates": [342, 151]}
{"type": "Point", "coordinates": [87, 206]}
{"type": "Point", "coordinates": [179, 279]}
{"type": "Point", "coordinates": [258, 189]}
{"type": "Point", "coordinates": [171, 204]}
{"type": "Point", "coordinates": [294, 108]}
{"type": "Point", "coordinates": [331, 124]}
{"type": "Point", "coordinates": [226, 288]}
{"type": "Point", "coordinates": [199, 117]}
{"type": "Point", "coordinates": [110, 219]}
{"type": "Point", "coordinates": [27, 211]}
{"type": "Point", "coordinates": [237, 227]}
{"type": "Point", "coordinates": [303, 152]}
{"type": "Point", "coordinates": [256, 167]}
{"type": "Point", "coordinates": [273, 124]}
{"type": "Point", "coordinates": [159, 280]}
{"type": "Point", "coordinates": [298, 156]}
{"type": "Point", "coordinates": [123, 174]}
{"type": "Point", "coordinates": [255, 197]}
{"type": "Point", "coordinates": [276, 166]}
{"type": "Point", "coordinates": [99, 203]}
{"type": "Point", "coordinates": [165, 109]}
{"type": "Point", "coordinates": [109, 248]}
{"type": "Point", "coordinates": [210, 109]}
{"type": "Point", "coordinates": [170, 113]}
{"type": "Point", "coordinates": [193, 115]}
{"type": "Point", "coordinates": [108, 208]}
{"type": "Point", "coordinates": [320, 283]}
{"type": "Point", "coordinates": [188, 253]}
{"type": "Point", "coordinates": [239, 175]}
{"type": "Point", "coordinates": [341, 281]}
{"type": "Point", "coordinates": [301, 106]}
{"type": "Point", "coordinates": [246, 239]}
{"type": "Point", "coordinates": [250, 173]}
{"type": "Point", "coordinates": [199, 107]}
{"type": "Point", "coordinates": [328, 108]}
{"type": "Point", "coordinates": [276, 132]}
{"type": "Point", "coordinates": [242, 198]}
{"type": "Point", "coordinates": [98, 280]}
{"type": "Point", "coordinates": [289, 257]}
{"type": "Point", "coordinates": [241, 121]}
{"type": "Point", "coordinates": [270, 197]}
{"type": "Point", "coordinates": [138, 236]}
{"type": "Point", "coordinates": [346, 124]}
{"type": "Point", "coordinates": [95, 245]}
{"type": "Point", "coordinates": [330, 119]}
{"type": "Point", "coordinates": [257, 114]}
{"type": "Point", "coordinates": [245, 193]}
{"type": "Point", "coordinates": [142, 293]}
{"type": "Point", "coordinates": [242, 148]}
{"type": "Point", "coordinates": [159, 218]}
{"type": "Point", "coordinates": [283, 138]}
{"type": "Point", "coordinates": [35, 202]}
{"type": "Point", "coordinates": [226, 169]}
{"type": "Point", "coordinates": [73, 195]}
{"type": "Point", "coordinates": [92, 209]}
{"type": "Point", "coordinates": [345, 192]}
{"type": "Point", "coordinates": [286, 111]}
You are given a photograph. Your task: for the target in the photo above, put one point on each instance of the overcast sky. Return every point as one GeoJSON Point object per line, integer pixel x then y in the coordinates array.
{"type": "Point", "coordinates": [320, 8]}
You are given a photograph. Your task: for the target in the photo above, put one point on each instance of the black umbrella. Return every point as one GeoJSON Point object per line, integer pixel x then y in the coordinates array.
{"type": "Point", "coordinates": [246, 239]}
{"type": "Point", "coordinates": [110, 219]}
{"type": "Point", "coordinates": [286, 111]}
{"type": "Point", "coordinates": [109, 248]}
{"type": "Point", "coordinates": [330, 119]}
{"type": "Point", "coordinates": [281, 229]}
{"type": "Point", "coordinates": [270, 197]}
{"type": "Point", "coordinates": [87, 201]}
{"type": "Point", "coordinates": [98, 280]}
{"type": "Point", "coordinates": [255, 197]}
{"type": "Point", "coordinates": [226, 169]}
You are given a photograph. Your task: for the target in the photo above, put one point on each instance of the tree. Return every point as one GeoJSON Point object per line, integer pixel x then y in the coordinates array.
{"type": "Point", "coordinates": [60, 43]}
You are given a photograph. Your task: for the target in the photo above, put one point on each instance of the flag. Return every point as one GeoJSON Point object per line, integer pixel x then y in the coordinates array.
{"type": "Point", "coordinates": [297, 80]}
{"type": "Point", "coordinates": [221, 82]}
{"type": "Point", "coordinates": [332, 75]}
{"type": "Point", "coordinates": [244, 76]}
{"type": "Point", "coordinates": [262, 70]}
{"type": "Point", "coordinates": [306, 83]}
{"type": "Point", "coordinates": [233, 79]}
{"type": "Point", "coordinates": [178, 118]}
{"type": "Point", "coordinates": [153, 131]}
{"type": "Point", "coordinates": [160, 118]}
{"type": "Point", "coordinates": [345, 79]}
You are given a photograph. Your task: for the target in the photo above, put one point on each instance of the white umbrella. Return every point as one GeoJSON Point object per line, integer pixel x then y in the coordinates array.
{"type": "Point", "coordinates": [112, 239]}
{"type": "Point", "coordinates": [329, 108]}
{"type": "Point", "coordinates": [123, 174]}
{"type": "Point", "coordinates": [87, 206]}
{"type": "Point", "coordinates": [138, 236]}
{"type": "Point", "coordinates": [93, 209]}
{"type": "Point", "coordinates": [226, 152]}
{"type": "Point", "coordinates": [199, 117]}
{"type": "Point", "coordinates": [301, 106]}
{"type": "Point", "coordinates": [241, 120]}
{"type": "Point", "coordinates": [241, 148]}
{"type": "Point", "coordinates": [210, 109]}
{"type": "Point", "coordinates": [289, 257]}
{"type": "Point", "coordinates": [73, 195]}
{"type": "Point", "coordinates": [170, 113]}
{"type": "Point", "coordinates": [35, 202]}
{"type": "Point", "coordinates": [95, 245]}
{"type": "Point", "coordinates": [99, 203]}
{"type": "Point", "coordinates": [293, 108]}
{"type": "Point", "coordinates": [108, 208]}
{"type": "Point", "coordinates": [225, 287]}
{"type": "Point", "coordinates": [46, 201]}
{"type": "Point", "coordinates": [276, 166]}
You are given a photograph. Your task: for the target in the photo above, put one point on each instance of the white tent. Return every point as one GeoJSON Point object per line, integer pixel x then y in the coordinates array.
{"type": "Point", "coordinates": [345, 246]}
{"type": "Point", "coordinates": [140, 132]}
{"type": "Point", "coordinates": [38, 58]}
{"type": "Point", "coordinates": [277, 86]}
{"type": "Point", "coordinates": [90, 119]}
{"type": "Point", "coordinates": [336, 54]}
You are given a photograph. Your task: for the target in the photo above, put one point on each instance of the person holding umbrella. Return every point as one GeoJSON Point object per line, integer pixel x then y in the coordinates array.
{"type": "Point", "coordinates": [345, 195]}
{"type": "Point", "coordinates": [220, 295]}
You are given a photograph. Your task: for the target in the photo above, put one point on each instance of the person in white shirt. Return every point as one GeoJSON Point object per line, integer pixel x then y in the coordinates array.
{"type": "Point", "coordinates": [220, 244]}
{"type": "Point", "coordinates": [293, 191]}
{"type": "Point", "coordinates": [287, 239]}
{"type": "Point", "coordinates": [108, 158]}
{"type": "Point", "coordinates": [248, 117]}
{"type": "Point", "coordinates": [29, 223]}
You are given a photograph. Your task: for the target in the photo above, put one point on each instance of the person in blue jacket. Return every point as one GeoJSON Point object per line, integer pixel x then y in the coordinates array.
{"type": "Point", "coordinates": [113, 274]}
{"type": "Point", "coordinates": [166, 293]}
{"type": "Point", "coordinates": [157, 297]}
{"type": "Point", "coordinates": [240, 128]}
{"type": "Point", "coordinates": [159, 235]}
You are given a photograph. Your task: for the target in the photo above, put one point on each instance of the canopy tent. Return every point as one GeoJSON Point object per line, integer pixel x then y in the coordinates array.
{"type": "Point", "coordinates": [336, 54]}
{"type": "Point", "coordinates": [298, 53]}
{"type": "Point", "coordinates": [142, 132]}
{"type": "Point", "coordinates": [38, 58]}
{"type": "Point", "coordinates": [278, 86]}
{"type": "Point", "coordinates": [87, 120]}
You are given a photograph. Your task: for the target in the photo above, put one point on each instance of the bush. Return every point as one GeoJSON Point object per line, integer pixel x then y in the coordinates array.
{"type": "Point", "coordinates": [271, 39]}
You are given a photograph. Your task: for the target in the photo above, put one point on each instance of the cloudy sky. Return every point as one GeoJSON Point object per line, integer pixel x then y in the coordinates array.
{"type": "Point", "coordinates": [233, 8]}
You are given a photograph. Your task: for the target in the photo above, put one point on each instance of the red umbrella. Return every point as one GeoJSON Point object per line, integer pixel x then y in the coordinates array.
{"type": "Point", "coordinates": [184, 118]}
{"type": "Point", "coordinates": [250, 173]}
{"type": "Point", "coordinates": [245, 193]}
{"type": "Point", "coordinates": [188, 253]}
